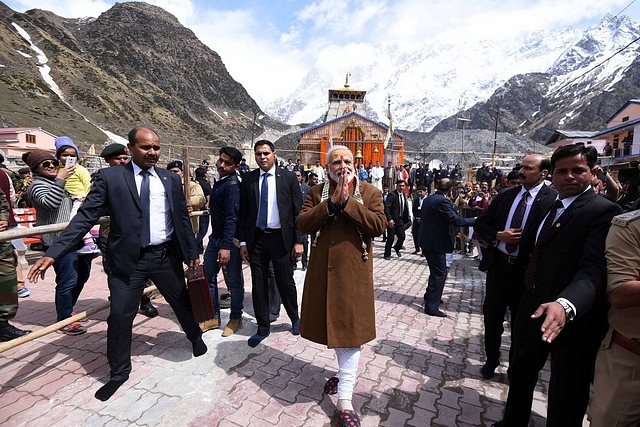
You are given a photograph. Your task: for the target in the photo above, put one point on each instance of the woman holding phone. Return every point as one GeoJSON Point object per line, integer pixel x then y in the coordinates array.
{"type": "Point", "coordinates": [77, 185]}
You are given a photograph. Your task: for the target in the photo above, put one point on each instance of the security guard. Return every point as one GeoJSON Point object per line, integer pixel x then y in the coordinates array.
{"type": "Point", "coordinates": [616, 398]}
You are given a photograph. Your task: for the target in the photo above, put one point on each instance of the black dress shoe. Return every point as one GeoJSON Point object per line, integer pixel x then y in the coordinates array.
{"type": "Point", "coordinates": [436, 314]}
{"type": "Point", "coordinates": [488, 370]}
{"type": "Point", "coordinates": [398, 253]}
{"type": "Point", "coordinates": [148, 309]}
{"type": "Point", "coordinates": [9, 332]}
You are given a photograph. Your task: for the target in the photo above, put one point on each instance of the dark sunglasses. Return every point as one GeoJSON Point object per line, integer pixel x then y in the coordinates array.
{"type": "Point", "coordinates": [50, 163]}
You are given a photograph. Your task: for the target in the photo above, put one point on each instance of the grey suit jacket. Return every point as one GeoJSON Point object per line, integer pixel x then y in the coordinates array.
{"type": "Point", "coordinates": [114, 192]}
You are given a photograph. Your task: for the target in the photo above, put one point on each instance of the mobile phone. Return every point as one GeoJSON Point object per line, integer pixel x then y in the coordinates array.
{"type": "Point", "coordinates": [601, 176]}
{"type": "Point", "coordinates": [69, 162]}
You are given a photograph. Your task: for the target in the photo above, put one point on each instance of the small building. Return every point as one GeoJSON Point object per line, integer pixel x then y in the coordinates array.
{"type": "Point", "coordinates": [346, 124]}
{"type": "Point", "coordinates": [15, 141]}
{"type": "Point", "coordinates": [621, 130]}
{"type": "Point", "coordinates": [566, 137]}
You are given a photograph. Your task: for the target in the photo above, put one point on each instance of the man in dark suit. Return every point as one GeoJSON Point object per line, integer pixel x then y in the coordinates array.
{"type": "Point", "coordinates": [150, 238]}
{"type": "Point", "coordinates": [416, 208]}
{"type": "Point", "coordinates": [438, 230]}
{"type": "Point", "coordinates": [513, 213]}
{"type": "Point", "coordinates": [305, 254]}
{"type": "Point", "coordinates": [563, 308]}
{"type": "Point", "coordinates": [270, 201]}
{"type": "Point", "coordinates": [396, 208]}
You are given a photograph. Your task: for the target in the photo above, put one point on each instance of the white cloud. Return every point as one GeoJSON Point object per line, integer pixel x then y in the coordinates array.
{"type": "Point", "coordinates": [268, 47]}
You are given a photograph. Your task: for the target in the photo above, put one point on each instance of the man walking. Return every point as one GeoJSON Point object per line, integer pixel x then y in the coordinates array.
{"type": "Point", "coordinates": [221, 252]}
{"type": "Point", "coordinates": [417, 216]}
{"type": "Point", "coordinates": [270, 201]}
{"type": "Point", "coordinates": [150, 238]}
{"type": "Point", "coordinates": [342, 216]}
{"type": "Point", "coordinates": [397, 211]}
{"type": "Point", "coordinates": [510, 215]}
{"type": "Point", "coordinates": [438, 231]}
{"type": "Point", "coordinates": [563, 309]}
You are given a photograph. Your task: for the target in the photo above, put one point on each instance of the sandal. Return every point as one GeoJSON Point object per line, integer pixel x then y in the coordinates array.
{"type": "Point", "coordinates": [349, 418]}
{"type": "Point", "coordinates": [331, 387]}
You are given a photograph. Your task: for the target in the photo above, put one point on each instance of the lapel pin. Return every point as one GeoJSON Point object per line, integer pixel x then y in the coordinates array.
{"type": "Point", "coordinates": [557, 224]}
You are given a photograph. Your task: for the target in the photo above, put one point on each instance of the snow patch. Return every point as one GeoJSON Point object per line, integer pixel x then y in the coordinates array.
{"type": "Point", "coordinates": [26, 55]}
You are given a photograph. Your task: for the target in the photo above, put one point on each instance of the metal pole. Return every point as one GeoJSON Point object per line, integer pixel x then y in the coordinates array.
{"type": "Point", "coordinates": [495, 138]}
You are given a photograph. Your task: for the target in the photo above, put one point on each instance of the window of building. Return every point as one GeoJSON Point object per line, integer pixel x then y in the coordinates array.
{"type": "Point", "coordinates": [31, 139]}
{"type": "Point", "coordinates": [625, 119]}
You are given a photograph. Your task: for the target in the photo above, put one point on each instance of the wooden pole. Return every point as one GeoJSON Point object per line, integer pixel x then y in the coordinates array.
{"type": "Point", "coordinates": [61, 324]}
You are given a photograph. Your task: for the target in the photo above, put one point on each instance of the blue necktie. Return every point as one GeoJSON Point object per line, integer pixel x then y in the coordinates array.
{"type": "Point", "coordinates": [145, 202]}
{"type": "Point", "coordinates": [264, 202]}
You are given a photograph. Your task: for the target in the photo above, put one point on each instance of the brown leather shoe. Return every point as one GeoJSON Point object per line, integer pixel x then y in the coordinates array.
{"type": "Point", "coordinates": [232, 327]}
{"type": "Point", "coordinates": [210, 324]}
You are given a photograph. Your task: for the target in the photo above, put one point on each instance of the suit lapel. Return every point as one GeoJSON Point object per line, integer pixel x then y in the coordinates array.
{"type": "Point", "coordinates": [255, 186]}
{"type": "Point", "coordinates": [568, 214]}
{"type": "Point", "coordinates": [129, 178]}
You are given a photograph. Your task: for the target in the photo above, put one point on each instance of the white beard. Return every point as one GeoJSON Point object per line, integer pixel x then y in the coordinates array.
{"type": "Point", "coordinates": [336, 177]}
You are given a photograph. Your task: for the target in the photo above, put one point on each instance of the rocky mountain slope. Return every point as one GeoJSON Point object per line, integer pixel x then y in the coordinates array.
{"type": "Point", "coordinates": [134, 64]}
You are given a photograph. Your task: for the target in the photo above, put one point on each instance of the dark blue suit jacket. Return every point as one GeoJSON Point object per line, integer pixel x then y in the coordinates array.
{"type": "Point", "coordinates": [114, 192]}
{"type": "Point", "coordinates": [438, 224]}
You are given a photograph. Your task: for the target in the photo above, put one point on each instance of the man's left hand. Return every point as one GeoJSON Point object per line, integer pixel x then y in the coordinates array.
{"type": "Point", "coordinates": [194, 263]}
{"type": "Point", "coordinates": [298, 249]}
{"type": "Point", "coordinates": [554, 321]}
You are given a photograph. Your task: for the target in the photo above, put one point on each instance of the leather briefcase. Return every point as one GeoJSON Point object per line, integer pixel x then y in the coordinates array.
{"type": "Point", "coordinates": [199, 294]}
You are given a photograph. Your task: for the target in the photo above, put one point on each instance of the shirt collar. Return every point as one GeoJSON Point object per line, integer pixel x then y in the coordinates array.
{"type": "Point", "coordinates": [137, 169]}
{"type": "Point", "coordinates": [567, 201]}
{"type": "Point", "coordinates": [272, 171]}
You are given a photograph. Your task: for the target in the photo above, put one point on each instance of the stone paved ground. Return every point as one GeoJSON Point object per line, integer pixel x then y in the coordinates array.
{"type": "Point", "coordinates": [420, 371]}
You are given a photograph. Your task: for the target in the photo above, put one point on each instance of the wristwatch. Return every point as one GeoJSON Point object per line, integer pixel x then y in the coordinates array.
{"type": "Point", "coordinates": [567, 309]}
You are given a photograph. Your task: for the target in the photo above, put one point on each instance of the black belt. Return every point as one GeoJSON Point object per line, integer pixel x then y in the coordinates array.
{"type": "Point", "coordinates": [509, 259]}
{"type": "Point", "coordinates": [156, 248]}
{"type": "Point", "coordinates": [268, 230]}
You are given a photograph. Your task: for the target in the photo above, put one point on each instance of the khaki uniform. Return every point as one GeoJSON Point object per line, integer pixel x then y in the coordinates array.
{"type": "Point", "coordinates": [8, 278]}
{"type": "Point", "coordinates": [616, 399]}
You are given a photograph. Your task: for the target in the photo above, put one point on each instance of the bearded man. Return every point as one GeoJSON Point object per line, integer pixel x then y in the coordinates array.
{"type": "Point", "coordinates": [342, 216]}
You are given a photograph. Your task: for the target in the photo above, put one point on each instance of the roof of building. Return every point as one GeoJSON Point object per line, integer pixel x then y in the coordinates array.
{"type": "Point", "coordinates": [309, 129]}
{"type": "Point", "coordinates": [618, 127]}
{"type": "Point", "coordinates": [23, 130]}
{"type": "Point", "coordinates": [629, 102]}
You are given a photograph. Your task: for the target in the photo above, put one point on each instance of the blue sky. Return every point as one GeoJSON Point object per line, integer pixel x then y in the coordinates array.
{"type": "Point", "coordinates": [270, 45]}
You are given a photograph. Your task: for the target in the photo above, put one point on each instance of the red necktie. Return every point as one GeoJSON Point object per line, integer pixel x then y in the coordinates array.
{"type": "Point", "coordinates": [530, 274]}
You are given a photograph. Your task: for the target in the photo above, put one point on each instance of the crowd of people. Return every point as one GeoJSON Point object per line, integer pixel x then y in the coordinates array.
{"type": "Point", "coordinates": [541, 233]}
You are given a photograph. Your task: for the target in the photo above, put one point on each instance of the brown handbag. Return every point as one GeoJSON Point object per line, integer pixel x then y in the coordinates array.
{"type": "Point", "coordinates": [199, 294]}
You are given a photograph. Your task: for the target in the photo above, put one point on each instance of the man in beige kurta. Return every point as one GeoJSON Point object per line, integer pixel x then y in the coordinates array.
{"type": "Point", "coordinates": [341, 216]}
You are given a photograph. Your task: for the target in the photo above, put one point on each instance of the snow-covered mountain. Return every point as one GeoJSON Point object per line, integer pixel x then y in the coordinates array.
{"type": "Point", "coordinates": [440, 78]}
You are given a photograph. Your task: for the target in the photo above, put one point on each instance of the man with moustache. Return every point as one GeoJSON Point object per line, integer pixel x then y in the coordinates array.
{"type": "Point", "coordinates": [563, 308]}
{"type": "Point", "coordinates": [150, 238]}
{"type": "Point", "coordinates": [270, 201]}
{"type": "Point", "coordinates": [342, 216]}
{"type": "Point", "coordinates": [511, 214]}
{"type": "Point", "coordinates": [115, 155]}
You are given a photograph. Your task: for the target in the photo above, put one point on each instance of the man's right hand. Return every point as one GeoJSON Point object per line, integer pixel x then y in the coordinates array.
{"type": "Point", "coordinates": [244, 254]}
{"type": "Point", "coordinates": [511, 236]}
{"type": "Point", "coordinates": [39, 268]}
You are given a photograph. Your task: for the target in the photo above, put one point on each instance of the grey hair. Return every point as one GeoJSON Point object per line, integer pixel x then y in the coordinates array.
{"type": "Point", "coordinates": [334, 149]}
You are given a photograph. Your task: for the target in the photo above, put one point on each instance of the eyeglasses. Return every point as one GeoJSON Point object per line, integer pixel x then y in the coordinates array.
{"type": "Point", "coordinates": [50, 163]}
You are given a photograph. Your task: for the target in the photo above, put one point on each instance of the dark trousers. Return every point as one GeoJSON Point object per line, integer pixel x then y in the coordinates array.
{"type": "Point", "coordinates": [203, 227]}
{"type": "Point", "coordinates": [502, 292]}
{"type": "Point", "coordinates": [233, 277]}
{"type": "Point", "coordinates": [72, 272]}
{"type": "Point", "coordinates": [396, 231]}
{"type": "Point", "coordinates": [164, 267]}
{"type": "Point", "coordinates": [572, 367]}
{"type": "Point", "coordinates": [437, 276]}
{"type": "Point", "coordinates": [269, 247]}
{"type": "Point", "coordinates": [274, 296]}
{"type": "Point", "coordinates": [415, 232]}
